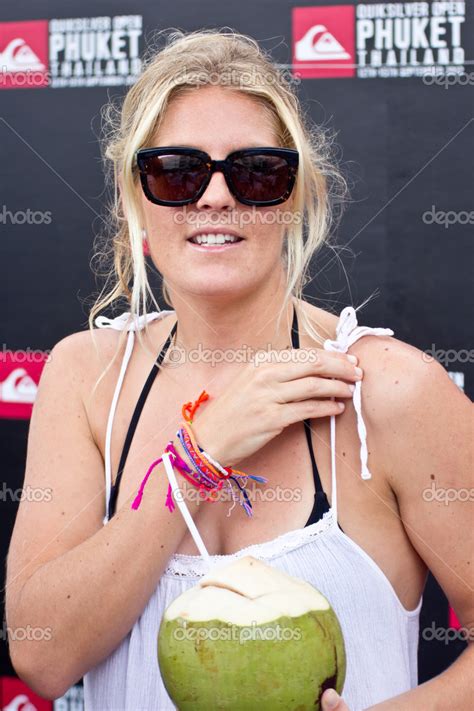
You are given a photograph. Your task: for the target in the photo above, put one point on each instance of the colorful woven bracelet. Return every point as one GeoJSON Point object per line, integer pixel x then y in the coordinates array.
{"type": "Point", "coordinates": [203, 472]}
{"type": "Point", "coordinates": [202, 463]}
{"type": "Point", "coordinates": [199, 464]}
{"type": "Point", "coordinates": [207, 493]}
{"type": "Point", "coordinates": [209, 466]}
{"type": "Point", "coordinates": [206, 474]}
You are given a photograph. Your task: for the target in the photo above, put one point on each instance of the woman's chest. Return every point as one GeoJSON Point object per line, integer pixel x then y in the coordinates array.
{"type": "Point", "coordinates": [367, 510]}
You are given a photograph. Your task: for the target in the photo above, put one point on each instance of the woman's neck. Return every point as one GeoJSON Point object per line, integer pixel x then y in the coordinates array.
{"type": "Point", "coordinates": [229, 324]}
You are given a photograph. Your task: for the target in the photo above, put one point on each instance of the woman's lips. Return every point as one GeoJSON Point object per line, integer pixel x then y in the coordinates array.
{"type": "Point", "coordinates": [215, 247]}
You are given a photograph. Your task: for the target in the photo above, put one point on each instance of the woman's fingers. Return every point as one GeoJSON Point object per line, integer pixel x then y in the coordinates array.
{"type": "Point", "coordinates": [312, 387]}
{"type": "Point", "coordinates": [301, 363]}
{"type": "Point", "coordinates": [331, 701]}
{"type": "Point", "coordinates": [265, 397]}
{"type": "Point", "coordinates": [292, 412]}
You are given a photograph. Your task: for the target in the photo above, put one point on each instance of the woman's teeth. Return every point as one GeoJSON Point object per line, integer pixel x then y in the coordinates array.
{"type": "Point", "coordinates": [211, 239]}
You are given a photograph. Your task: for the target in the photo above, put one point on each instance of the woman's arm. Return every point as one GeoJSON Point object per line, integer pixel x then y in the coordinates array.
{"type": "Point", "coordinates": [423, 424]}
{"type": "Point", "coordinates": [80, 585]}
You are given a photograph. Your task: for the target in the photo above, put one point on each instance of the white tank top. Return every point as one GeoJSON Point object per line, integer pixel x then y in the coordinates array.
{"type": "Point", "coordinates": [381, 636]}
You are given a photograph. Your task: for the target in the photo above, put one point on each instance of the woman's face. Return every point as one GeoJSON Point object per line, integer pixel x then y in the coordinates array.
{"type": "Point", "coordinates": [217, 121]}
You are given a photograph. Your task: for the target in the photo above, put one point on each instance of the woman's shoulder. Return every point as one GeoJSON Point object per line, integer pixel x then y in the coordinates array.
{"type": "Point", "coordinates": [108, 338]}
{"type": "Point", "coordinates": [394, 370]}
{"type": "Point", "coordinates": [398, 377]}
{"type": "Point", "coordinates": [97, 352]}
{"type": "Point", "coordinates": [344, 325]}
{"type": "Point", "coordinates": [84, 347]}
{"type": "Point", "coordinates": [88, 359]}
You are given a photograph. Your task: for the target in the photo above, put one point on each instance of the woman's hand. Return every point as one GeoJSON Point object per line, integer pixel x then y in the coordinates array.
{"type": "Point", "coordinates": [331, 701]}
{"type": "Point", "coordinates": [266, 397]}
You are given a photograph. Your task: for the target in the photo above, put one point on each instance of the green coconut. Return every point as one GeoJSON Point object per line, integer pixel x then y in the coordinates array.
{"type": "Point", "coordinates": [249, 637]}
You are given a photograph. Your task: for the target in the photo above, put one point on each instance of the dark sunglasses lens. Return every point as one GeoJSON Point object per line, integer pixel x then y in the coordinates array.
{"type": "Point", "coordinates": [175, 177]}
{"type": "Point", "coordinates": [261, 177]}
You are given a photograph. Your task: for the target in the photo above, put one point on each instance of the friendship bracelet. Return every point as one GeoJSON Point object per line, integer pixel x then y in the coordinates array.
{"type": "Point", "coordinates": [198, 456]}
{"type": "Point", "coordinates": [189, 409]}
{"type": "Point", "coordinates": [210, 466]}
{"type": "Point", "coordinates": [189, 438]}
{"type": "Point", "coordinates": [206, 473]}
{"type": "Point", "coordinates": [177, 463]}
{"type": "Point", "coordinates": [200, 467]}
{"type": "Point", "coordinates": [235, 497]}
{"type": "Point", "coordinates": [185, 471]}
{"type": "Point", "coordinates": [208, 484]}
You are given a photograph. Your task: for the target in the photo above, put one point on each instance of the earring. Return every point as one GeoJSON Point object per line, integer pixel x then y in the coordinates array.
{"type": "Point", "coordinates": [146, 247]}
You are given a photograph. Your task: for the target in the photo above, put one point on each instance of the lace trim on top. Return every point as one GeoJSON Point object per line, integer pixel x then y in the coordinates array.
{"type": "Point", "coordinates": [184, 565]}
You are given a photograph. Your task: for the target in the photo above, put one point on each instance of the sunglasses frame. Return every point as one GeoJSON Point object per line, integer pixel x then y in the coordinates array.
{"type": "Point", "coordinates": [223, 166]}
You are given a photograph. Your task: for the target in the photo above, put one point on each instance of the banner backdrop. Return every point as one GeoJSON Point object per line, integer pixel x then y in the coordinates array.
{"type": "Point", "coordinates": [393, 79]}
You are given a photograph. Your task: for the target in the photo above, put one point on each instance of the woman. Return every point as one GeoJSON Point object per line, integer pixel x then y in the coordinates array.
{"type": "Point", "coordinates": [99, 574]}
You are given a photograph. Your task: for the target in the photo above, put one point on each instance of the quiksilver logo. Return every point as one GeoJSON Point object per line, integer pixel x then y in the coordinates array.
{"type": "Point", "coordinates": [319, 44]}
{"type": "Point", "coordinates": [19, 57]}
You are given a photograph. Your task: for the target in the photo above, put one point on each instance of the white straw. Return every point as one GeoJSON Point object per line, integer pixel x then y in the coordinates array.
{"type": "Point", "coordinates": [184, 509]}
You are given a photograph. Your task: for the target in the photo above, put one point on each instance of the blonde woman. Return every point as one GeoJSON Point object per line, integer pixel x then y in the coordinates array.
{"type": "Point", "coordinates": [211, 140]}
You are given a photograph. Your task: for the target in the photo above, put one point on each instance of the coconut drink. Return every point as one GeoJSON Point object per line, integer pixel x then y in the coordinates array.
{"type": "Point", "coordinates": [248, 636]}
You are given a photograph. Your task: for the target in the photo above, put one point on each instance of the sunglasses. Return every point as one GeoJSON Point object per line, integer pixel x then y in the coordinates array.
{"type": "Point", "coordinates": [174, 176]}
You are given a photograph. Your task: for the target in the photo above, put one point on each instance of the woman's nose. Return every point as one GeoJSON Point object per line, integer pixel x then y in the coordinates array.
{"type": "Point", "coordinates": [217, 194]}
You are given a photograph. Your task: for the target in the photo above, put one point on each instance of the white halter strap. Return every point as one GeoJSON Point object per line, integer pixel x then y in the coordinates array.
{"type": "Point", "coordinates": [121, 323]}
{"type": "Point", "coordinates": [125, 323]}
{"type": "Point", "coordinates": [347, 333]}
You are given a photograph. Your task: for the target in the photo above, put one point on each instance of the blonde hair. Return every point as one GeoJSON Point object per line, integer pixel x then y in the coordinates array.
{"type": "Point", "coordinates": [187, 61]}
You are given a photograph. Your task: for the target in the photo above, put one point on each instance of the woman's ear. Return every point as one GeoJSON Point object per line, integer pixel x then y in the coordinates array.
{"type": "Point", "coordinates": [146, 246]}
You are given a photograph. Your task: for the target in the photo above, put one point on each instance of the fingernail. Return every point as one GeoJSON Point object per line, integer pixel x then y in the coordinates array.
{"type": "Point", "coordinates": [358, 371]}
{"type": "Point", "coordinates": [331, 699]}
{"type": "Point", "coordinates": [352, 358]}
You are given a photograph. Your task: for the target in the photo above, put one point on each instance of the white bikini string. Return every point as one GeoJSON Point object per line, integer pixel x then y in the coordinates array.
{"type": "Point", "coordinates": [347, 332]}
{"type": "Point", "coordinates": [110, 421]}
{"type": "Point", "coordinates": [184, 509]}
